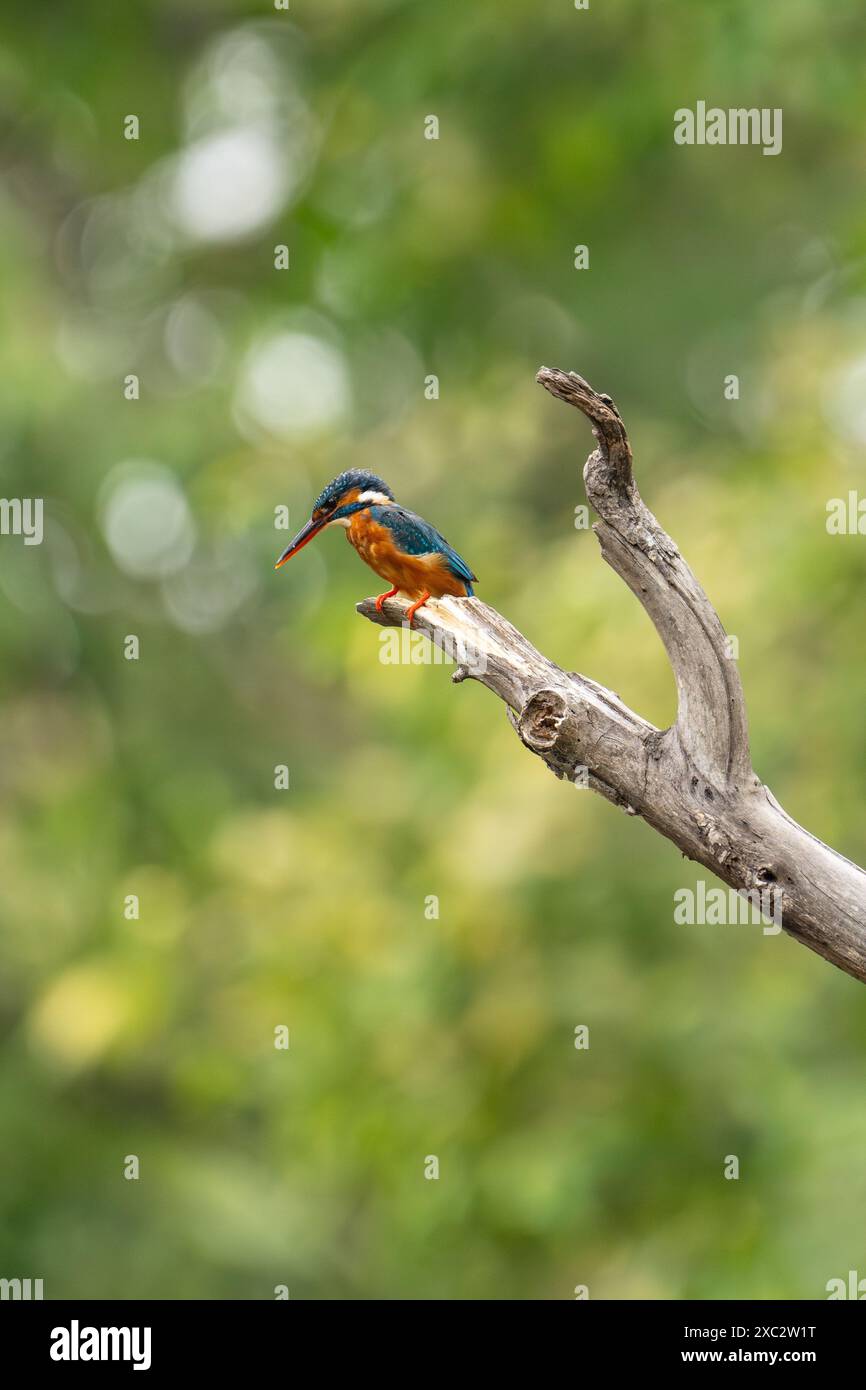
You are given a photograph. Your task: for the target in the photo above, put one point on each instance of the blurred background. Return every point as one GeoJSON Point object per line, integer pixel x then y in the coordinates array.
{"type": "Point", "coordinates": [414, 1035]}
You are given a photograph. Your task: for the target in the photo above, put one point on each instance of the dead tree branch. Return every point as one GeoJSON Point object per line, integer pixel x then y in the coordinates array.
{"type": "Point", "coordinates": [693, 782]}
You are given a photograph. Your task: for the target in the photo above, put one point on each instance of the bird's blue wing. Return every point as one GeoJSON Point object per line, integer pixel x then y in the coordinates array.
{"type": "Point", "coordinates": [415, 536]}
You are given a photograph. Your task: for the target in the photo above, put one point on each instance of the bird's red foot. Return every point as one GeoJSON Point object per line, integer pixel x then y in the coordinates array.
{"type": "Point", "coordinates": [413, 607]}
{"type": "Point", "coordinates": [381, 599]}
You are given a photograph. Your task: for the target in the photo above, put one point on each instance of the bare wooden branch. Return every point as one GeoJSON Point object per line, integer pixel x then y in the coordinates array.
{"type": "Point", "coordinates": [694, 782]}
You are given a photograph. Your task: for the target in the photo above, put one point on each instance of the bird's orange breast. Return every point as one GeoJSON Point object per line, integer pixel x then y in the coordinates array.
{"type": "Point", "coordinates": [414, 574]}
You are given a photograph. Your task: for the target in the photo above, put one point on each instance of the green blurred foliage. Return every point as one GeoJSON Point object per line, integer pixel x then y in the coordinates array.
{"type": "Point", "coordinates": [413, 1036]}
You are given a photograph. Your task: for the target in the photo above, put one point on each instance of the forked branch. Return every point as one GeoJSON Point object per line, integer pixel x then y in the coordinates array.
{"type": "Point", "coordinates": [693, 782]}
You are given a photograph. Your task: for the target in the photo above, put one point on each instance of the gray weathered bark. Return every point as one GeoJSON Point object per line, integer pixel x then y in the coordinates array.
{"type": "Point", "coordinates": [693, 782]}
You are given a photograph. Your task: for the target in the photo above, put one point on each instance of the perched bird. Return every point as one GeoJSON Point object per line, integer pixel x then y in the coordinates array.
{"type": "Point", "coordinates": [403, 549]}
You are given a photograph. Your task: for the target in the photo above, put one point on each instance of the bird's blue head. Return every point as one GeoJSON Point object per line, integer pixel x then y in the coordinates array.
{"type": "Point", "coordinates": [347, 494]}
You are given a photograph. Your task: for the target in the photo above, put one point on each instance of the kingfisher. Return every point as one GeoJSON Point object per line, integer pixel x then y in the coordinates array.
{"type": "Point", "coordinates": [401, 547]}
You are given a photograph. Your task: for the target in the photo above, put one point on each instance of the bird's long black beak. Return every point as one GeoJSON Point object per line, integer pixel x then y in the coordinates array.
{"type": "Point", "coordinates": [304, 536]}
